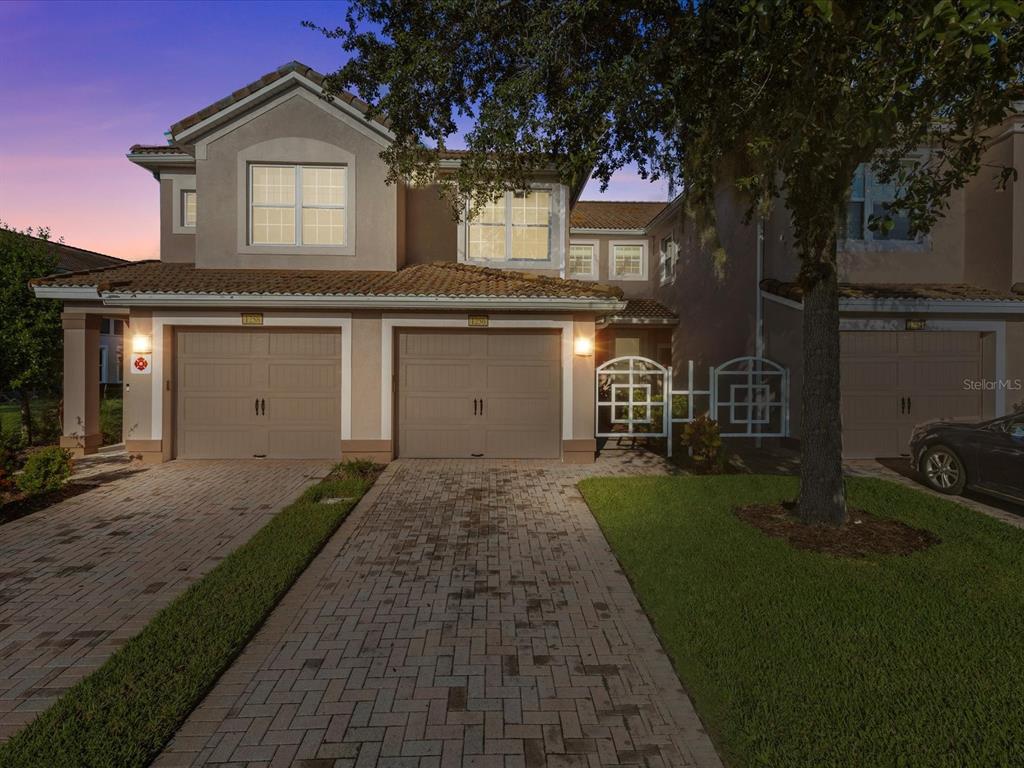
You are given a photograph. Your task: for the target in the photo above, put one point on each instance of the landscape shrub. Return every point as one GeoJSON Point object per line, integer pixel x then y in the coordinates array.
{"type": "Point", "coordinates": [111, 415]}
{"type": "Point", "coordinates": [46, 470]}
{"type": "Point", "coordinates": [46, 424]}
{"type": "Point", "coordinates": [12, 443]}
{"type": "Point", "coordinates": [704, 440]}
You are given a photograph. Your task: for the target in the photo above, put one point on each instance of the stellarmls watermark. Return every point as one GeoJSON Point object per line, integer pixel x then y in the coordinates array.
{"type": "Point", "coordinates": [991, 385]}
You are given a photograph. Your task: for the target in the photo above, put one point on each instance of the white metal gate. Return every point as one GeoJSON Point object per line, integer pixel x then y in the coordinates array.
{"type": "Point", "coordinates": [636, 396]}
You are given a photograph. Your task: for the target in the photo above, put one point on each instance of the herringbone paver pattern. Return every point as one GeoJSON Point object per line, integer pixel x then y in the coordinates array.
{"type": "Point", "coordinates": [80, 578]}
{"type": "Point", "coordinates": [467, 614]}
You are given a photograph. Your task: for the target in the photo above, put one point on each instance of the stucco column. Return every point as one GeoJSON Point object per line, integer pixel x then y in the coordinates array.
{"type": "Point", "coordinates": [582, 447]}
{"type": "Point", "coordinates": [81, 383]}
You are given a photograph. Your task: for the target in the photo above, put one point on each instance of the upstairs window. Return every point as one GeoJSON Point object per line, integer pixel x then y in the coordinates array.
{"type": "Point", "coordinates": [629, 261]}
{"type": "Point", "coordinates": [669, 258]}
{"type": "Point", "coordinates": [298, 205]}
{"type": "Point", "coordinates": [582, 261]}
{"type": "Point", "coordinates": [870, 197]}
{"type": "Point", "coordinates": [515, 227]}
{"type": "Point", "coordinates": [188, 208]}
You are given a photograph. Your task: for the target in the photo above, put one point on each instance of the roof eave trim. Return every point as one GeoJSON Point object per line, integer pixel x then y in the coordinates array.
{"type": "Point", "coordinates": [113, 298]}
{"type": "Point", "coordinates": [67, 292]}
{"type": "Point", "coordinates": [149, 161]}
{"type": "Point", "coordinates": [612, 232]}
{"type": "Point", "coordinates": [971, 306]}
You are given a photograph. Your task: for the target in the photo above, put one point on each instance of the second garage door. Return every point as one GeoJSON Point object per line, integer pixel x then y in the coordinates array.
{"type": "Point", "coordinates": [493, 394]}
{"type": "Point", "coordinates": [892, 381]}
{"type": "Point", "coordinates": [246, 393]}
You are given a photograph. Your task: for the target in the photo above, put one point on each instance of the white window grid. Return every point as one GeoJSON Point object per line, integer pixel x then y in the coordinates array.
{"type": "Point", "coordinates": [634, 261]}
{"type": "Point", "coordinates": [297, 205]}
{"type": "Point", "coordinates": [189, 209]}
{"type": "Point", "coordinates": [582, 261]}
{"type": "Point", "coordinates": [487, 219]}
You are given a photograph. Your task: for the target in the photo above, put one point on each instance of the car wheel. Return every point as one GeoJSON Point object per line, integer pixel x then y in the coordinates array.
{"type": "Point", "coordinates": [943, 470]}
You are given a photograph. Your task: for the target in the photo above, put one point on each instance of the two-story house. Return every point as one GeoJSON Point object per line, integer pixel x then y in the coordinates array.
{"type": "Point", "coordinates": [303, 307]}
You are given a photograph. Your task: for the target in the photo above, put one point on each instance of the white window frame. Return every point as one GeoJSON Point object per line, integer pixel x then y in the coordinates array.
{"type": "Point", "coordinates": [556, 234]}
{"type": "Point", "coordinates": [297, 206]}
{"type": "Point", "coordinates": [668, 259]}
{"type": "Point", "coordinates": [594, 263]}
{"type": "Point", "coordinates": [184, 208]}
{"type": "Point", "coordinates": [613, 272]}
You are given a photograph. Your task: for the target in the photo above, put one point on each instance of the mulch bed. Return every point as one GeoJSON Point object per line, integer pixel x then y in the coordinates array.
{"type": "Point", "coordinates": [863, 534]}
{"type": "Point", "coordinates": [17, 505]}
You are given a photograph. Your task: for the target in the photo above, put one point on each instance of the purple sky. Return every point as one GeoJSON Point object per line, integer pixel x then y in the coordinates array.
{"type": "Point", "coordinates": [84, 81]}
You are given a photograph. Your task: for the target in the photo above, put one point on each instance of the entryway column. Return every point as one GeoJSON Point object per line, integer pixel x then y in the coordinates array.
{"type": "Point", "coordinates": [81, 383]}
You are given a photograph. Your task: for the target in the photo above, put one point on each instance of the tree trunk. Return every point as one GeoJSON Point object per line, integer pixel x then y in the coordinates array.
{"type": "Point", "coordinates": [822, 494]}
{"type": "Point", "coordinates": [26, 416]}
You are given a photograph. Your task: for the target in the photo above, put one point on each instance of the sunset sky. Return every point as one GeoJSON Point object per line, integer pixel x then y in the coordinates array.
{"type": "Point", "coordinates": [84, 81]}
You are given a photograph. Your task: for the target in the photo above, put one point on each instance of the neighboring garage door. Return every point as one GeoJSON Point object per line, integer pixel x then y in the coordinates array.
{"type": "Point", "coordinates": [245, 393]}
{"type": "Point", "coordinates": [494, 394]}
{"type": "Point", "coordinates": [892, 381]}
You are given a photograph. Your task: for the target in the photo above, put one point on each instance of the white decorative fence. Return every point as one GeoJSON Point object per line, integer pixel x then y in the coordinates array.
{"type": "Point", "coordinates": [637, 397]}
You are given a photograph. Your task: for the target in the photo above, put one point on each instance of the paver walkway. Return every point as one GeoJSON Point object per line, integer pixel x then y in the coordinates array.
{"type": "Point", "coordinates": [467, 614]}
{"type": "Point", "coordinates": [80, 578]}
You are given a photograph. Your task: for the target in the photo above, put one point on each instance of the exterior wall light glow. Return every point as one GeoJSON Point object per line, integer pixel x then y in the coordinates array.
{"type": "Point", "coordinates": [142, 344]}
{"type": "Point", "coordinates": [584, 347]}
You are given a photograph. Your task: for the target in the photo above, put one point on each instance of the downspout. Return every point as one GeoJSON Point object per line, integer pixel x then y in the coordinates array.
{"type": "Point", "coordinates": [759, 300]}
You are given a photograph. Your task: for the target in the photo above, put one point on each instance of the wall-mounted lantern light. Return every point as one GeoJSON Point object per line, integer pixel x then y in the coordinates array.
{"type": "Point", "coordinates": [142, 344]}
{"type": "Point", "coordinates": [584, 347]}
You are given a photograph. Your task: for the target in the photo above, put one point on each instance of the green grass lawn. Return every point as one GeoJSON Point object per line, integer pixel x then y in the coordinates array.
{"type": "Point", "coordinates": [795, 658]}
{"type": "Point", "coordinates": [124, 713]}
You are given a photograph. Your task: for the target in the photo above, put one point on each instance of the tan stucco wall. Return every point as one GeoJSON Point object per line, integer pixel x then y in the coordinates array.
{"type": "Point", "coordinates": [174, 247]}
{"type": "Point", "coordinates": [715, 288]}
{"type": "Point", "coordinates": [630, 288]}
{"type": "Point", "coordinates": [295, 131]}
{"type": "Point", "coordinates": [431, 228]}
{"type": "Point", "coordinates": [366, 376]}
{"type": "Point", "coordinates": [989, 222]}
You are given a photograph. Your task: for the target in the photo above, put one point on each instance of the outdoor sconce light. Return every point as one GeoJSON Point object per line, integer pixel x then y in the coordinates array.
{"type": "Point", "coordinates": [142, 344]}
{"type": "Point", "coordinates": [584, 346]}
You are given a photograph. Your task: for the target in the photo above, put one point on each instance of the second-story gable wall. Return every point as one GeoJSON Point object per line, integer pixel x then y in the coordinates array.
{"type": "Point", "coordinates": [298, 130]}
{"type": "Point", "coordinates": [603, 244]}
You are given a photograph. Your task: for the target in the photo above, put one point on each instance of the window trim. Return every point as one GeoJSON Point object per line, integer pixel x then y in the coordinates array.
{"type": "Point", "coordinates": [613, 273]}
{"type": "Point", "coordinates": [665, 258]}
{"type": "Point", "coordinates": [556, 234]}
{"type": "Point", "coordinates": [595, 264]}
{"type": "Point", "coordinates": [297, 207]}
{"type": "Point", "coordinates": [867, 240]}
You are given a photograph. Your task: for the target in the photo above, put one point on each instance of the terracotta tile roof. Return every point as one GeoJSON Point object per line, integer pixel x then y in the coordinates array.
{"type": "Point", "coordinates": [645, 309]}
{"type": "Point", "coordinates": [72, 259]}
{"type": "Point", "coordinates": [256, 85]}
{"type": "Point", "coordinates": [440, 279]}
{"type": "Point", "coordinates": [156, 149]}
{"type": "Point", "coordinates": [897, 291]}
{"type": "Point", "coordinates": [611, 214]}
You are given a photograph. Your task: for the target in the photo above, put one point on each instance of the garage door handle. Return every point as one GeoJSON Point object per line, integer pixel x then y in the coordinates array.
{"type": "Point", "coordinates": [257, 406]}
{"type": "Point", "coordinates": [903, 405]}
{"type": "Point", "coordinates": [481, 406]}
{"type": "Point", "coordinates": [474, 406]}
{"type": "Point", "coordinates": [263, 406]}
{"type": "Point", "coordinates": [909, 406]}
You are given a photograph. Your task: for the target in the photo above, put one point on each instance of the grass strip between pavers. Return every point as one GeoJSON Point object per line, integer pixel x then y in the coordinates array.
{"type": "Point", "coordinates": [795, 658]}
{"type": "Point", "coordinates": [125, 712]}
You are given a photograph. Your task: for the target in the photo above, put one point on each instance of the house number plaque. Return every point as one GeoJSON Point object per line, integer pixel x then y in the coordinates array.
{"type": "Point", "coordinates": [252, 318]}
{"type": "Point", "coordinates": [478, 321]}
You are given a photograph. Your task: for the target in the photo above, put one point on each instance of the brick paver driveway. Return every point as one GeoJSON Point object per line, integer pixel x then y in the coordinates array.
{"type": "Point", "coordinates": [469, 613]}
{"type": "Point", "coordinates": [80, 578]}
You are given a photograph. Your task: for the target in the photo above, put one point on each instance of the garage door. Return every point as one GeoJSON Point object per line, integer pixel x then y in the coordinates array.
{"type": "Point", "coordinates": [246, 393]}
{"type": "Point", "coordinates": [892, 381]}
{"type": "Point", "coordinates": [493, 394]}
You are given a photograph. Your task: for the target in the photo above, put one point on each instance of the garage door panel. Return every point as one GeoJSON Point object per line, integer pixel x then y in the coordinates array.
{"type": "Point", "coordinates": [942, 343]}
{"type": "Point", "coordinates": [524, 378]}
{"type": "Point", "coordinates": [296, 409]}
{"type": "Point", "coordinates": [428, 408]}
{"type": "Point", "coordinates": [221, 443]}
{"type": "Point", "coordinates": [215, 376]}
{"type": "Point", "coordinates": [515, 375]}
{"type": "Point", "coordinates": [870, 407]}
{"type": "Point", "coordinates": [868, 343]}
{"type": "Point", "coordinates": [302, 444]}
{"type": "Point", "coordinates": [305, 344]}
{"type": "Point", "coordinates": [221, 344]}
{"type": "Point", "coordinates": [213, 410]}
{"type": "Point", "coordinates": [945, 373]}
{"type": "Point", "coordinates": [306, 376]}
{"type": "Point", "coordinates": [433, 345]}
{"type": "Point", "coordinates": [870, 374]}
{"type": "Point", "coordinates": [869, 441]}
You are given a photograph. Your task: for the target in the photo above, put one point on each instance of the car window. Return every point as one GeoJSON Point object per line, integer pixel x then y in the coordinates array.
{"type": "Point", "coordinates": [1015, 428]}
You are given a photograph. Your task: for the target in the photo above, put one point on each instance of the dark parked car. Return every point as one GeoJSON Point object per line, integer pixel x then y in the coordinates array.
{"type": "Point", "coordinates": [987, 457]}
